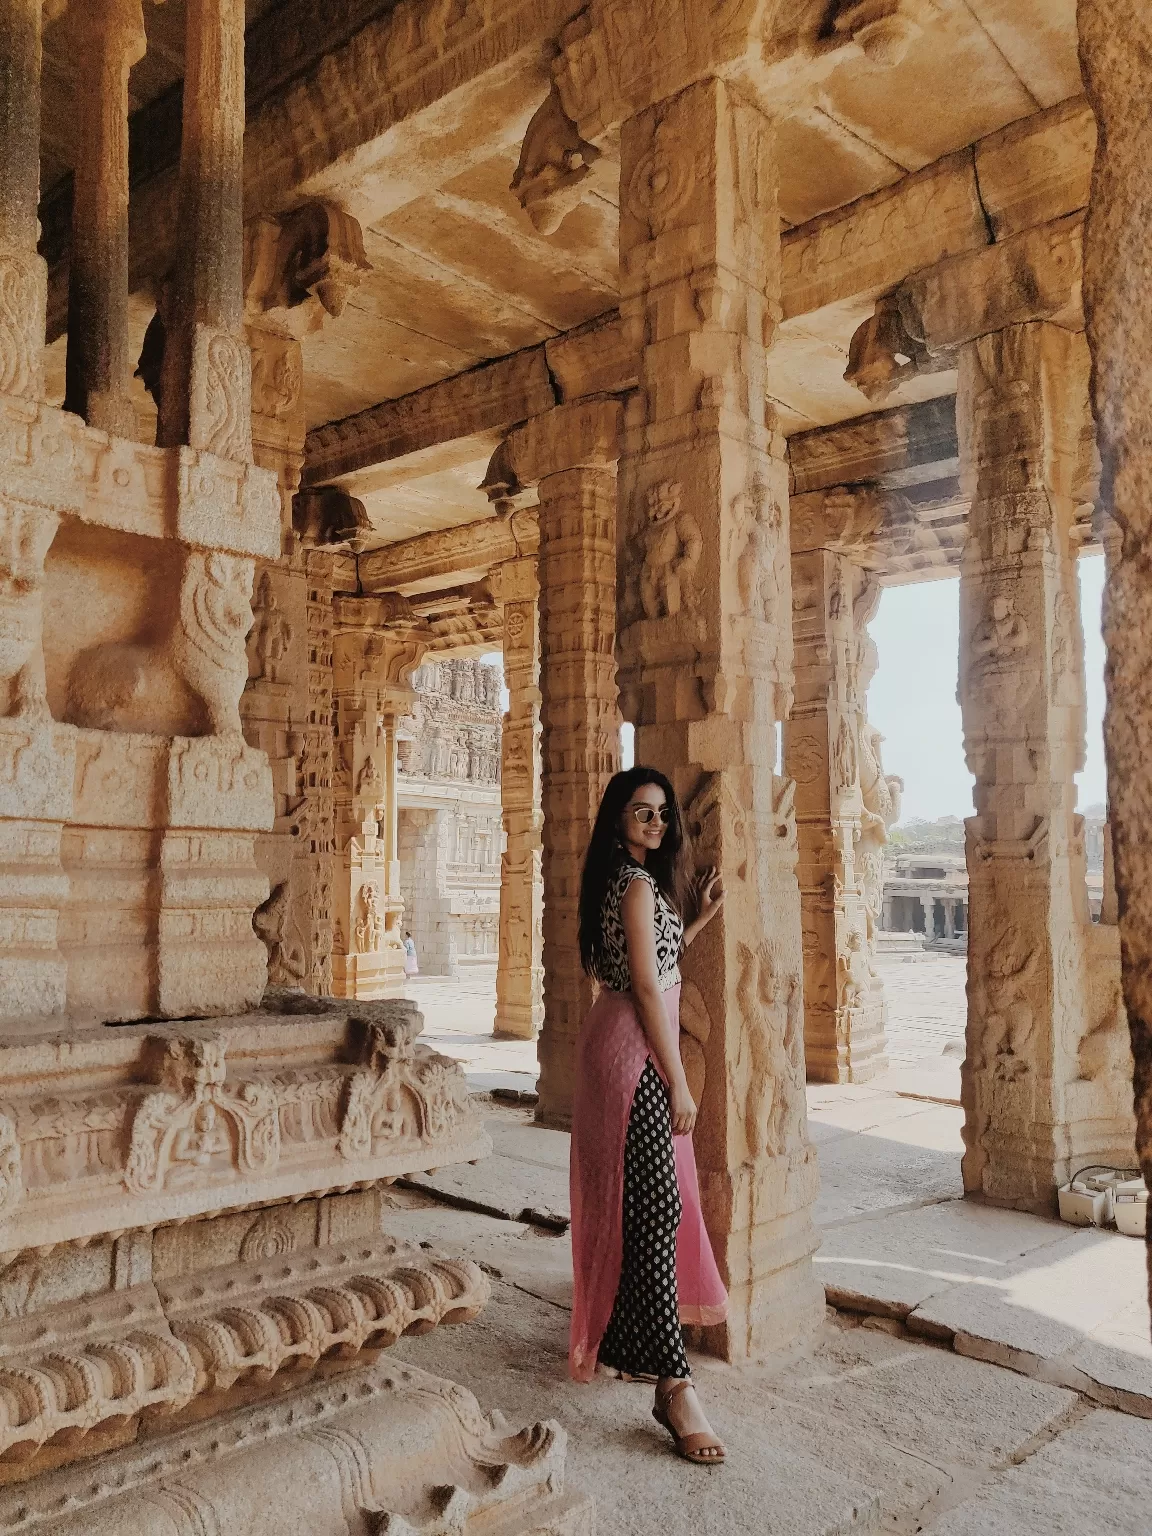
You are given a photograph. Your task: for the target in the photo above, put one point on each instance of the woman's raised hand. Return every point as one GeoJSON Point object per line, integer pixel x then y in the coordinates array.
{"type": "Point", "coordinates": [709, 893]}
{"type": "Point", "coordinates": [683, 1110]}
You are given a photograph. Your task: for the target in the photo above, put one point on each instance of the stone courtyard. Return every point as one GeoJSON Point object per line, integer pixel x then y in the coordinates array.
{"type": "Point", "coordinates": [983, 1371]}
{"type": "Point", "coordinates": [645, 343]}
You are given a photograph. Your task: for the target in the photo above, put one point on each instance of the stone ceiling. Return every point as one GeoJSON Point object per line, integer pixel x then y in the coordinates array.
{"type": "Point", "coordinates": [459, 273]}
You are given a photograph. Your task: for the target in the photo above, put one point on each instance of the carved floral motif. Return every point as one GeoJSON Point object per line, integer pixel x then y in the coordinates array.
{"type": "Point", "coordinates": [208, 647]}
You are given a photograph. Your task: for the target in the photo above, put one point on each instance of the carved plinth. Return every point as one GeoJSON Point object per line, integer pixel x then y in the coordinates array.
{"type": "Point", "coordinates": [391, 1449]}
{"type": "Point", "coordinates": [103, 1130]}
{"type": "Point", "coordinates": [152, 1348]}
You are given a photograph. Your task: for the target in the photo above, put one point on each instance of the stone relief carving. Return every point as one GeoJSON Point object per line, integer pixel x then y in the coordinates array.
{"type": "Point", "coordinates": [207, 648]}
{"type": "Point", "coordinates": [400, 1090]}
{"type": "Point", "coordinates": [22, 277]}
{"type": "Point", "coordinates": [844, 757]}
{"type": "Point", "coordinates": [884, 30]}
{"type": "Point", "coordinates": [276, 927]}
{"type": "Point", "coordinates": [767, 1070]}
{"type": "Point", "coordinates": [758, 523]}
{"type": "Point", "coordinates": [880, 811]}
{"type": "Point", "coordinates": [271, 634]}
{"type": "Point", "coordinates": [25, 536]}
{"type": "Point", "coordinates": [1005, 986]}
{"type": "Point", "coordinates": [302, 265]}
{"type": "Point", "coordinates": [853, 972]}
{"type": "Point", "coordinates": [555, 164]}
{"type": "Point", "coordinates": [370, 922]}
{"type": "Point", "coordinates": [152, 1349]}
{"type": "Point", "coordinates": [671, 547]}
{"type": "Point", "coordinates": [999, 635]}
{"type": "Point", "coordinates": [269, 1237]}
{"type": "Point", "coordinates": [197, 1122]}
{"type": "Point", "coordinates": [325, 515]}
{"type": "Point", "coordinates": [11, 1180]}
{"type": "Point", "coordinates": [222, 404]}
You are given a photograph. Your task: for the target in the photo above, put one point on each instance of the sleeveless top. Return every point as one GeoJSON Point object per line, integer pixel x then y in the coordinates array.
{"type": "Point", "coordinates": [614, 972]}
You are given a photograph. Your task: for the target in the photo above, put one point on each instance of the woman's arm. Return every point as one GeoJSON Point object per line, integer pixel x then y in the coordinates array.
{"type": "Point", "coordinates": [638, 911]}
{"type": "Point", "coordinates": [709, 890]}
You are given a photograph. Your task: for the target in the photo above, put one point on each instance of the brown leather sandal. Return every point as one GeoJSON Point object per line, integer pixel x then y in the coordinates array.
{"type": "Point", "coordinates": [702, 1449]}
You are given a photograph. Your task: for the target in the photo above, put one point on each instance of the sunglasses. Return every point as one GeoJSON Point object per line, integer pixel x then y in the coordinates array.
{"type": "Point", "coordinates": [647, 814]}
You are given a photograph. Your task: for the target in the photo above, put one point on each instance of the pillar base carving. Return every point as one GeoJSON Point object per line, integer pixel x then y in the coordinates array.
{"type": "Point", "coordinates": [389, 1447]}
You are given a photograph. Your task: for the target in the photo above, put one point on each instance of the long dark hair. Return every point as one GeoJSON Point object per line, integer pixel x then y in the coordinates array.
{"type": "Point", "coordinates": [668, 864]}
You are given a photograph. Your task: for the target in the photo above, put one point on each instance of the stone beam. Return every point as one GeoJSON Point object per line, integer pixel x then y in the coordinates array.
{"type": "Point", "coordinates": [1030, 173]}
{"type": "Point", "coordinates": [911, 445]}
{"type": "Point", "coordinates": [484, 399]}
{"type": "Point", "coordinates": [443, 557]}
{"type": "Point", "coordinates": [592, 359]}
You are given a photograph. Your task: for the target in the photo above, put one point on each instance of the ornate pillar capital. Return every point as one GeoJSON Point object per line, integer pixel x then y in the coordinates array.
{"type": "Point", "coordinates": [584, 435]}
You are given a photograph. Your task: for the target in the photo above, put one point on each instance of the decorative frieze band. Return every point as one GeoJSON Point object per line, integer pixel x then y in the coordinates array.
{"type": "Point", "coordinates": [106, 1129]}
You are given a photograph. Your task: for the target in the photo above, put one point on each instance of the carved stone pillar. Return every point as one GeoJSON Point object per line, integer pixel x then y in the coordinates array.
{"type": "Point", "coordinates": [1118, 310]}
{"type": "Point", "coordinates": [205, 393]}
{"type": "Point", "coordinates": [108, 36]}
{"type": "Point", "coordinates": [23, 274]}
{"type": "Point", "coordinates": [520, 973]}
{"type": "Point", "coordinates": [570, 454]}
{"type": "Point", "coordinates": [376, 647]}
{"type": "Point", "coordinates": [1043, 1082]}
{"type": "Point", "coordinates": [844, 807]}
{"type": "Point", "coordinates": [706, 664]}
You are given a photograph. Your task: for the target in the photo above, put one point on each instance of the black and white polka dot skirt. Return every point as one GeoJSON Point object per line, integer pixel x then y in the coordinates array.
{"type": "Point", "coordinates": [643, 1336]}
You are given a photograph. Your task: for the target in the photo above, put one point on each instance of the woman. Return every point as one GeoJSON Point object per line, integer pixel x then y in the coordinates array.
{"type": "Point", "coordinates": [641, 1257]}
{"type": "Point", "coordinates": [411, 967]}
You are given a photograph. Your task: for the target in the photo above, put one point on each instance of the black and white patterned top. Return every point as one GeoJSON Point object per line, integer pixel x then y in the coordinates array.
{"type": "Point", "coordinates": [669, 925]}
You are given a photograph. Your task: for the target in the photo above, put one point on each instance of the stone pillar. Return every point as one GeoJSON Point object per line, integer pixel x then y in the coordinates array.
{"type": "Point", "coordinates": [108, 35]}
{"type": "Point", "coordinates": [570, 454]}
{"type": "Point", "coordinates": [949, 919]}
{"type": "Point", "coordinates": [23, 274]}
{"type": "Point", "coordinates": [376, 647]}
{"type": "Point", "coordinates": [833, 755]}
{"type": "Point", "coordinates": [520, 973]}
{"type": "Point", "coordinates": [887, 923]}
{"type": "Point", "coordinates": [205, 389]}
{"type": "Point", "coordinates": [706, 665]}
{"type": "Point", "coordinates": [1042, 1078]}
{"type": "Point", "coordinates": [928, 907]}
{"type": "Point", "coordinates": [1118, 311]}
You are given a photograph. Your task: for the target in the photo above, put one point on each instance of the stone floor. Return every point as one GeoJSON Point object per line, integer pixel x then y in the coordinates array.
{"type": "Point", "coordinates": [967, 1383]}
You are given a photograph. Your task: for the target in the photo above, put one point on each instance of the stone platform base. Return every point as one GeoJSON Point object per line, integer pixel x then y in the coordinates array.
{"type": "Point", "coordinates": [388, 1450]}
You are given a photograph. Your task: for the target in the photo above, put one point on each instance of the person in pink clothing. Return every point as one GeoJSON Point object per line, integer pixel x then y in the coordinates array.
{"type": "Point", "coordinates": [642, 1260]}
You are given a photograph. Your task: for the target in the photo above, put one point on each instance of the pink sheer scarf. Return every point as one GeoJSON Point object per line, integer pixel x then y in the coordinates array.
{"type": "Point", "coordinates": [611, 1053]}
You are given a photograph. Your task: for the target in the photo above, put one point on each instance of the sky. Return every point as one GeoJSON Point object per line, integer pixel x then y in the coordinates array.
{"type": "Point", "coordinates": [912, 700]}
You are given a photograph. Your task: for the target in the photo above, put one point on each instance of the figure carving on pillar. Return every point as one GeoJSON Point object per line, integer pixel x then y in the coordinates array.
{"type": "Point", "coordinates": [369, 924]}
{"type": "Point", "coordinates": [672, 546]}
{"type": "Point", "coordinates": [881, 795]}
{"type": "Point", "coordinates": [273, 922]}
{"type": "Point", "coordinates": [270, 635]}
{"type": "Point", "coordinates": [760, 524]}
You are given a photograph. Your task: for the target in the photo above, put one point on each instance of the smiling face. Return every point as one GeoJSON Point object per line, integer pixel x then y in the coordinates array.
{"type": "Point", "coordinates": [641, 826]}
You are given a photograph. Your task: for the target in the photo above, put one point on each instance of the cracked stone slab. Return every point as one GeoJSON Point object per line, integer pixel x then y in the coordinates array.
{"type": "Point", "coordinates": [1094, 1479]}
{"type": "Point", "coordinates": [1065, 1313]}
{"type": "Point", "coordinates": [860, 1375]}
{"type": "Point", "coordinates": [525, 1179]}
{"type": "Point", "coordinates": [894, 1263]}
